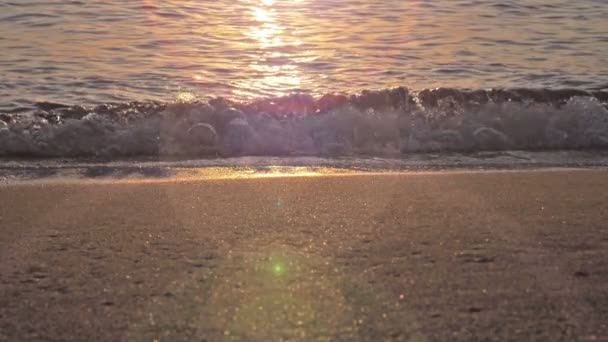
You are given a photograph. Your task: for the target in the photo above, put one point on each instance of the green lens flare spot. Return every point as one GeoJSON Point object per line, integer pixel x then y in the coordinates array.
{"type": "Point", "coordinates": [278, 269]}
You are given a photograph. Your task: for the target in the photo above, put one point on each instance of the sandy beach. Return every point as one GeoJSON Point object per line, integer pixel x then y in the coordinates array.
{"type": "Point", "coordinates": [517, 255]}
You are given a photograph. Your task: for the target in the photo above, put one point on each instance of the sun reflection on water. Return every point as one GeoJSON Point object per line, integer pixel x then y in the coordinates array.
{"type": "Point", "coordinates": [272, 61]}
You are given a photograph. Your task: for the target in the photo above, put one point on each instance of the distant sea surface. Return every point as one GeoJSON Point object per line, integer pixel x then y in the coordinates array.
{"type": "Point", "coordinates": [99, 51]}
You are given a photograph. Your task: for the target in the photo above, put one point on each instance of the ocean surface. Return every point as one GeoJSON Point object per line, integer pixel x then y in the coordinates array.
{"type": "Point", "coordinates": [302, 77]}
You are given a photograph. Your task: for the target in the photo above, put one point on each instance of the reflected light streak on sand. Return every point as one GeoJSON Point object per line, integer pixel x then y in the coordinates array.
{"type": "Point", "coordinates": [267, 172]}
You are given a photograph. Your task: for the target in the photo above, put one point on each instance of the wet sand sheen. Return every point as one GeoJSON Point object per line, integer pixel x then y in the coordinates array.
{"type": "Point", "coordinates": [433, 256]}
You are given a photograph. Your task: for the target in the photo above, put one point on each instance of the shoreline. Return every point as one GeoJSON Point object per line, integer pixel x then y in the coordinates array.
{"type": "Point", "coordinates": [14, 171]}
{"type": "Point", "coordinates": [76, 176]}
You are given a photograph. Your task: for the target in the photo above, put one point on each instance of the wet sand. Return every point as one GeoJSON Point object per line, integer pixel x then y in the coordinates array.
{"type": "Point", "coordinates": [519, 255]}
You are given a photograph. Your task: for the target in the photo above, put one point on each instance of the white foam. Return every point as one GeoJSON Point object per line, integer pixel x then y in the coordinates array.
{"type": "Point", "coordinates": [579, 123]}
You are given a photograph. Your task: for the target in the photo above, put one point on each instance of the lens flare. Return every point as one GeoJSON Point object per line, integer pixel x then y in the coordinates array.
{"type": "Point", "coordinates": [278, 269]}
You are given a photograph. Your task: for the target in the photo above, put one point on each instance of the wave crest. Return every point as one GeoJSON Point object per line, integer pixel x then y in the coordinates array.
{"type": "Point", "coordinates": [379, 123]}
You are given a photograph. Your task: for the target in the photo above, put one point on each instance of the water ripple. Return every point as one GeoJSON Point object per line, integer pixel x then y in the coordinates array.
{"type": "Point", "coordinates": [244, 49]}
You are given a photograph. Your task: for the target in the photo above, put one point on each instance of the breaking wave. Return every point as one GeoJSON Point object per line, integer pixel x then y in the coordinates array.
{"type": "Point", "coordinates": [373, 123]}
